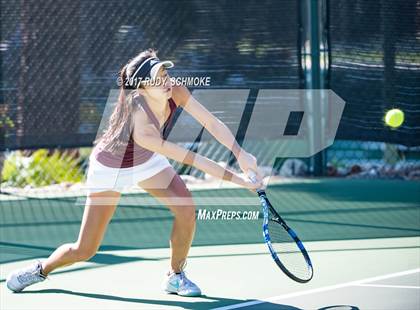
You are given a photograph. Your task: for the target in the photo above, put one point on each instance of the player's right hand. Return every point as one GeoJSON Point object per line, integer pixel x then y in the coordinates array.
{"type": "Point", "coordinates": [253, 186]}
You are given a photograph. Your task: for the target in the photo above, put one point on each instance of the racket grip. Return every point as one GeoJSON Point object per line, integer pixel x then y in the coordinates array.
{"type": "Point", "coordinates": [253, 177]}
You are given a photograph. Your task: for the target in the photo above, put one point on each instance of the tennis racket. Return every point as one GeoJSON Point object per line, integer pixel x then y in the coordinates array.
{"type": "Point", "coordinates": [285, 247]}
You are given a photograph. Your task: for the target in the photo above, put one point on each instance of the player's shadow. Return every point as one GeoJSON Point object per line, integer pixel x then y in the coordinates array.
{"type": "Point", "coordinates": [339, 307]}
{"type": "Point", "coordinates": [193, 303]}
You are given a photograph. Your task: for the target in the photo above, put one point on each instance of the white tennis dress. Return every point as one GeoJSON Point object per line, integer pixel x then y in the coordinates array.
{"type": "Point", "coordinates": [108, 171]}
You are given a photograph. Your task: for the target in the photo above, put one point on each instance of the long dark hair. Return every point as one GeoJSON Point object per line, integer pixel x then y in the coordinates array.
{"type": "Point", "coordinates": [121, 125]}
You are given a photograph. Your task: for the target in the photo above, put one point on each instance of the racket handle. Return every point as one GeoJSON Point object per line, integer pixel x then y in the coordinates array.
{"type": "Point", "coordinates": [253, 177]}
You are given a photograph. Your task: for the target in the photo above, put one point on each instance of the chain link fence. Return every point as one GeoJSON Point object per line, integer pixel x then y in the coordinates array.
{"type": "Point", "coordinates": [375, 67]}
{"type": "Point", "coordinates": [61, 58]}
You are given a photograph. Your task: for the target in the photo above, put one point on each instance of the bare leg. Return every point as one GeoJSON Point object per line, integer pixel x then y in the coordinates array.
{"type": "Point", "coordinates": [178, 199]}
{"type": "Point", "coordinates": [98, 212]}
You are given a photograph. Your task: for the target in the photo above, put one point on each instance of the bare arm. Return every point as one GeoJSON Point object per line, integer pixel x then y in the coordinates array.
{"type": "Point", "coordinates": [217, 129]}
{"type": "Point", "coordinates": [148, 137]}
{"type": "Point", "coordinates": [212, 124]}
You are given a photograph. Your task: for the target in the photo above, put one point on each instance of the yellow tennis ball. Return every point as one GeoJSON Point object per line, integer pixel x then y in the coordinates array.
{"type": "Point", "coordinates": [394, 118]}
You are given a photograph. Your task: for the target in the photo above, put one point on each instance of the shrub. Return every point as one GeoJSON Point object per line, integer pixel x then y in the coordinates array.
{"type": "Point", "coordinates": [41, 169]}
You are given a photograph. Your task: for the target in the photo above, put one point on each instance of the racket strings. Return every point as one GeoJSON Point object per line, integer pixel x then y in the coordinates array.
{"type": "Point", "coordinates": [287, 250]}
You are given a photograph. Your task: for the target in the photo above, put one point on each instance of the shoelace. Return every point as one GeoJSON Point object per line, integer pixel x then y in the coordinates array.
{"type": "Point", "coordinates": [30, 275]}
{"type": "Point", "coordinates": [184, 281]}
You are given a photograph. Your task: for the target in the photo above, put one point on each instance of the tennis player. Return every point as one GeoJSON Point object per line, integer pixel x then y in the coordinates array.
{"type": "Point", "coordinates": [133, 151]}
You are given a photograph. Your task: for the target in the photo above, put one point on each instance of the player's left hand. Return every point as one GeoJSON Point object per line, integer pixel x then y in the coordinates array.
{"type": "Point", "coordinates": [248, 162]}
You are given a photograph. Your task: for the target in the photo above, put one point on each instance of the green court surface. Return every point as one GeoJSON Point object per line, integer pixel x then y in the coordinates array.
{"type": "Point", "coordinates": [363, 237]}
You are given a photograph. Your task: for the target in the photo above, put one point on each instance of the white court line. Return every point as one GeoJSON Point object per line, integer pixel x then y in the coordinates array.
{"type": "Point", "coordinates": [318, 290]}
{"type": "Point", "coordinates": [389, 286]}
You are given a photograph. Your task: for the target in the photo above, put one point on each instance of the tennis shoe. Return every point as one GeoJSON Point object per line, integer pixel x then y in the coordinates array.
{"type": "Point", "coordinates": [178, 283]}
{"type": "Point", "coordinates": [21, 278]}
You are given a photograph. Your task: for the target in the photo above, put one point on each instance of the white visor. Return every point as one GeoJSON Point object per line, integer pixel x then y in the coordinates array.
{"type": "Point", "coordinates": [155, 69]}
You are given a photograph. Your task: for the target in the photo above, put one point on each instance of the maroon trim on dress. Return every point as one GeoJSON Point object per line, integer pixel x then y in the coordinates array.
{"type": "Point", "coordinates": [149, 112]}
{"type": "Point", "coordinates": [128, 160]}
{"type": "Point", "coordinates": [168, 121]}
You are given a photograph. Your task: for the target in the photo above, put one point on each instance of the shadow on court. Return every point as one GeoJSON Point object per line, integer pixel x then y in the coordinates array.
{"type": "Point", "coordinates": [215, 301]}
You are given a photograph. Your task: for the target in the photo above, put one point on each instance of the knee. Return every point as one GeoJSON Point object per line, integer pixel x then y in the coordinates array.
{"type": "Point", "coordinates": [83, 253]}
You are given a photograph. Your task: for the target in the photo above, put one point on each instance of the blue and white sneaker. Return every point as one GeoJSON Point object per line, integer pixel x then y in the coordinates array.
{"type": "Point", "coordinates": [19, 279]}
{"type": "Point", "coordinates": [178, 283]}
